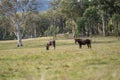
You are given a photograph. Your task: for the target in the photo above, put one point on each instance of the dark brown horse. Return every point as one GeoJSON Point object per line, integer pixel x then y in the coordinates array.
{"type": "Point", "coordinates": [50, 43]}
{"type": "Point", "coordinates": [83, 42]}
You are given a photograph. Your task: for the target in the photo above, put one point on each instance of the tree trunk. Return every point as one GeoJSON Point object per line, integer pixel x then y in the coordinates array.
{"type": "Point", "coordinates": [18, 34]}
{"type": "Point", "coordinates": [74, 28]}
{"type": "Point", "coordinates": [5, 31]}
{"type": "Point", "coordinates": [117, 30]}
{"type": "Point", "coordinates": [90, 31]}
{"type": "Point", "coordinates": [103, 24]}
{"type": "Point", "coordinates": [34, 28]}
{"type": "Point", "coordinates": [35, 33]}
{"type": "Point", "coordinates": [19, 39]}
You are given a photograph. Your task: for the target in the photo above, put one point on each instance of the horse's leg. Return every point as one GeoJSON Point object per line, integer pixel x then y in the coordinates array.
{"type": "Point", "coordinates": [80, 45]}
{"type": "Point", "coordinates": [88, 45]}
{"type": "Point", "coordinates": [54, 45]}
{"type": "Point", "coordinates": [47, 47]}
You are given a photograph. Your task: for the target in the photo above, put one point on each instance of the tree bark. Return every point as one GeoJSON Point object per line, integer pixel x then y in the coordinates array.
{"type": "Point", "coordinates": [103, 24]}
{"type": "Point", "coordinates": [5, 31]}
{"type": "Point", "coordinates": [18, 34]}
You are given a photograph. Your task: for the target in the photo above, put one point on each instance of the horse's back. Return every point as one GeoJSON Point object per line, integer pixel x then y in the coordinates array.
{"type": "Point", "coordinates": [88, 41]}
{"type": "Point", "coordinates": [83, 41]}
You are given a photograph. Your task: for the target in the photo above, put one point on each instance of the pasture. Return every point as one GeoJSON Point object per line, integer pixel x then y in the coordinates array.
{"type": "Point", "coordinates": [67, 62]}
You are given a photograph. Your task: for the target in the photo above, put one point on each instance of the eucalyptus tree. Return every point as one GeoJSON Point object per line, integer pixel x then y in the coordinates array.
{"type": "Point", "coordinates": [107, 8]}
{"type": "Point", "coordinates": [81, 26]}
{"type": "Point", "coordinates": [54, 16]}
{"type": "Point", "coordinates": [16, 10]}
{"type": "Point", "coordinates": [71, 9]}
{"type": "Point", "coordinates": [5, 28]}
{"type": "Point", "coordinates": [91, 17]}
{"type": "Point", "coordinates": [116, 22]}
{"type": "Point", "coordinates": [43, 23]}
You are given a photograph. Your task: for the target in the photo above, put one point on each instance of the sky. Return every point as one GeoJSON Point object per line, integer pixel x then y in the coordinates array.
{"type": "Point", "coordinates": [45, 5]}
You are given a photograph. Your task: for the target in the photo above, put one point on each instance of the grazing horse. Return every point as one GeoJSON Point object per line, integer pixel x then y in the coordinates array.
{"type": "Point", "coordinates": [51, 43]}
{"type": "Point", "coordinates": [83, 42]}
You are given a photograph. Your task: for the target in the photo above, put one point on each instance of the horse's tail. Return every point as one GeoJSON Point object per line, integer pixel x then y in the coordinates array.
{"type": "Point", "coordinates": [89, 43]}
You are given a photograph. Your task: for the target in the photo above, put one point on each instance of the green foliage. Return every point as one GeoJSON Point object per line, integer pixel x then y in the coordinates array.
{"type": "Point", "coordinates": [116, 21]}
{"type": "Point", "coordinates": [52, 31]}
{"type": "Point", "coordinates": [6, 29]}
{"type": "Point", "coordinates": [81, 25]}
{"type": "Point", "coordinates": [110, 27]}
{"type": "Point", "coordinates": [72, 7]}
{"type": "Point", "coordinates": [61, 14]}
{"type": "Point", "coordinates": [91, 15]}
{"type": "Point", "coordinates": [116, 18]}
{"type": "Point", "coordinates": [69, 25]}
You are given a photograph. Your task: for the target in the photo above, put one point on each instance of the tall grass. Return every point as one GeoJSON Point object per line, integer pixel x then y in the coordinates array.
{"type": "Point", "coordinates": [67, 62]}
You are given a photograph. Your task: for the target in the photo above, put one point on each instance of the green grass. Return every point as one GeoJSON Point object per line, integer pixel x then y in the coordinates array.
{"type": "Point", "coordinates": [67, 62]}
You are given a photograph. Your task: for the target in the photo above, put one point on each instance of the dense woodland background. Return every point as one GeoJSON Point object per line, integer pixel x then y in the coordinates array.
{"type": "Point", "coordinates": [27, 19]}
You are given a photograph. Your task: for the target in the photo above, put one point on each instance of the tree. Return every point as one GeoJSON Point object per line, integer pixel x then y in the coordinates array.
{"type": "Point", "coordinates": [16, 10]}
{"type": "Point", "coordinates": [81, 26]}
{"type": "Point", "coordinates": [73, 10]}
{"type": "Point", "coordinates": [106, 8]}
{"type": "Point", "coordinates": [116, 22]}
{"type": "Point", "coordinates": [91, 16]}
{"type": "Point", "coordinates": [5, 29]}
{"type": "Point", "coordinates": [73, 7]}
{"type": "Point", "coordinates": [42, 23]}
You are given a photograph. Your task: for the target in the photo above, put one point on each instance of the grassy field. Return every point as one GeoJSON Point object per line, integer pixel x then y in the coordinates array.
{"type": "Point", "coordinates": [67, 62]}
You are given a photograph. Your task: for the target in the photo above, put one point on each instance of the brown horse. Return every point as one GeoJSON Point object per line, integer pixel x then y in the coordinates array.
{"type": "Point", "coordinates": [51, 43]}
{"type": "Point", "coordinates": [83, 42]}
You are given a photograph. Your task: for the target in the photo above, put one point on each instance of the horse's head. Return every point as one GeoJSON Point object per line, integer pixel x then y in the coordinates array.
{"type": "Point", "coordinates": [75, 41]}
